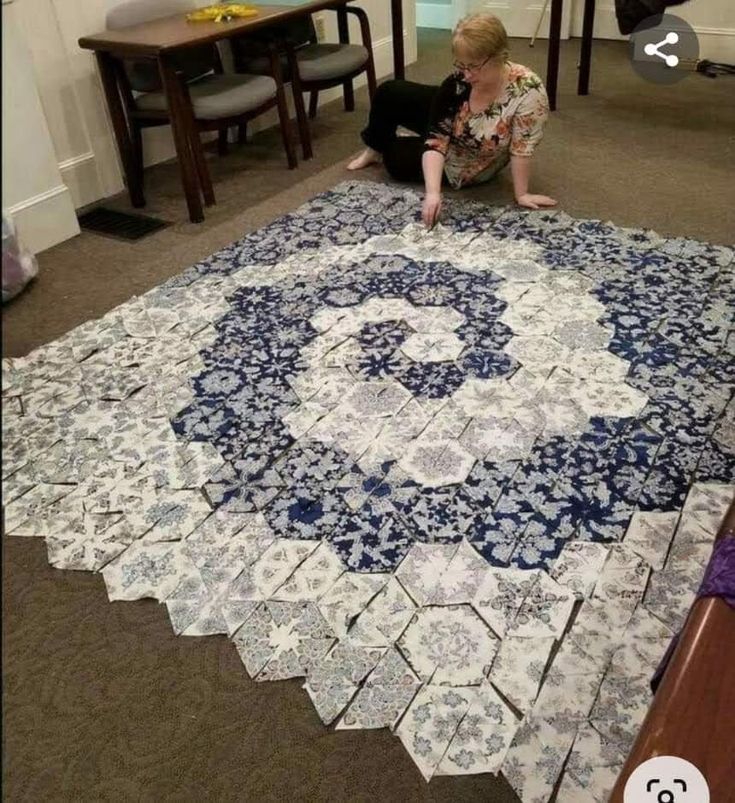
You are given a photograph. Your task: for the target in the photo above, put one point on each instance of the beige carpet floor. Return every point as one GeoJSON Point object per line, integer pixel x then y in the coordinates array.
{"type": "Point", "coordinates": [101, 701]}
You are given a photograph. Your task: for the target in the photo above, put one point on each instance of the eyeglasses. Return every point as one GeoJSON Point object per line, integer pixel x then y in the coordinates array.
{"type": "Point", "coordinates": [459, 67]}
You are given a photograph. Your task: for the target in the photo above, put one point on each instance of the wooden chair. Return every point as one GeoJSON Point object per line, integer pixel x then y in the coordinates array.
{"type": "Point", "coordinates": [203, 96]}
{"type": "Point", "coordinates": [309, 65]}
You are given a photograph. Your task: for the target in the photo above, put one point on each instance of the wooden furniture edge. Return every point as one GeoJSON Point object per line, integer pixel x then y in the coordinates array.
{"type": "Point", "coordinates": [692, 714]}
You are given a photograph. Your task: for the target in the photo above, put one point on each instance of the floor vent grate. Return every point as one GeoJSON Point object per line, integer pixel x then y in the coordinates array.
{"type": "Point", "coordinates": [121, 225]}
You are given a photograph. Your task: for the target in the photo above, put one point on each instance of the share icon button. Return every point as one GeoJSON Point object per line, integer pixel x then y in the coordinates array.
{"type": "Point", "coordinates": [663, 49]}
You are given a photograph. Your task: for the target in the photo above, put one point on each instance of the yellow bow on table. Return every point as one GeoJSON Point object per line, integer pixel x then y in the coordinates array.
{"type": "Point", "coordinates": [222, 11]}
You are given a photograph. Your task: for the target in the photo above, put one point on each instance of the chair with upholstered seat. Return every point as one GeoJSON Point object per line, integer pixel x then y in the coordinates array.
{"type": "Point", "coordinates": [203, 97]}
{"type": "Point", "coordinates": [310, 65]}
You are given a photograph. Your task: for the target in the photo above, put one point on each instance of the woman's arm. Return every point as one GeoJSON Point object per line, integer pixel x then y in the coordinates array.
{"type": "Point", "coordinates": [520, 169]}
{"type": "Point", "coordinates": [441, 118]}
{"type": "Point", "coordinates": [527, 130]}
{"type": "Point", "coordinates": [432, 163]}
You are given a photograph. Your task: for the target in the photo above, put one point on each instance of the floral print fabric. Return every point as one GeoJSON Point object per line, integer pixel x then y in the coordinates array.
{"type": "Point", "coordinates": [476, 145]}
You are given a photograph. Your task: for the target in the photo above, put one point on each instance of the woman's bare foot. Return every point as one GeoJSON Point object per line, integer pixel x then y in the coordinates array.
{"type": "Point", "coordinates": [366, 158]}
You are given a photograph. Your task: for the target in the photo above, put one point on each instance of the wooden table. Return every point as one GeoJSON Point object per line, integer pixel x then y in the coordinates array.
{"type": "Point", "coordinates": [158, 39]}
{"type": "Point", "coordinates": [693, 713]}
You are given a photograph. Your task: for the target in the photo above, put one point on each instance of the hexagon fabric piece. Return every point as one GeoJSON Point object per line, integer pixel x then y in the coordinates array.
{"type": "Point", "coordinates": [449, 645]}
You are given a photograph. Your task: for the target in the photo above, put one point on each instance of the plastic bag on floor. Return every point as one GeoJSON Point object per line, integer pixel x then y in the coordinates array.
{"type": "Point", "coordinates": [19, 264]}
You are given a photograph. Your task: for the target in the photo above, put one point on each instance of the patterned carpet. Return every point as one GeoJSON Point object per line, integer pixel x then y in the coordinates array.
{"type": "Point", "coordinates": [464, 482]}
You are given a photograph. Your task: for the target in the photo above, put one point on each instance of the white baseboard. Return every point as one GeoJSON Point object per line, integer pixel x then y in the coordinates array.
{"type": "Point", "coordinates": [435, 15]}
{"type": "Point", "coordinates": [80, 175]}
{"type": "Point", "coordinates": [46, 219]}
{"type": "Point", "coordinates": [716, 44]}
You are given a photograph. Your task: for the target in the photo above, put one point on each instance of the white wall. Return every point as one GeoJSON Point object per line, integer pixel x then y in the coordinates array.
{"type": "Point", "coordinates": [34, 193]}
{"type": "Point", "coordinates": [73, 102]}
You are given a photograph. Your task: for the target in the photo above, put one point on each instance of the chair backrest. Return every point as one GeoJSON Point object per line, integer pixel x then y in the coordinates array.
{"type": "Point", "coordinates": [143, 73]}
{"type": "Point", "coordinates": [298, 32]}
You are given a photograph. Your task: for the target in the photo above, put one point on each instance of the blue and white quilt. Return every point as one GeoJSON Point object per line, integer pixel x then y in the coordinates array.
{"type": "Point", "coordinates": [463, 483]}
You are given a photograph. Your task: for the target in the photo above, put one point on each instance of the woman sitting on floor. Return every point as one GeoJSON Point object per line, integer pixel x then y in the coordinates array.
{"type": "Point", "coordinates": [489, 112]}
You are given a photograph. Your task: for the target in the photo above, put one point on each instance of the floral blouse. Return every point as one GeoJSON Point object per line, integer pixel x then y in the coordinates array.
{"type": "Point", "coordinates": [476, 145]}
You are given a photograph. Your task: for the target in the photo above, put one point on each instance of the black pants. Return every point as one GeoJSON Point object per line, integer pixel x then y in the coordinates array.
{"type": "Point", "coordinates": [406, 104]}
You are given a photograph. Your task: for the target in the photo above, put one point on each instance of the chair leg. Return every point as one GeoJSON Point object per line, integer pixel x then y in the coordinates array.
{"type": "Point", "coordinates": [222, 145]}
{"type": "Point", "coordinates": [303, 123]}
{"type": "Point", "coordinates": [349, 95]}
{"type": "Point", "coordinates": [205, 180]}
{"type": "Point", "coordinates": [370, 66]}
{"type": "Point", "coordinates": [313, 103]}
{"type": "Point", "coordinates": [284, 119]}
{"type": "Point", "coordinates": [343, 30]}
{"type": "Point", "coordinates": [285, 123]}
{"type": "Point", "coordinates": [137, 142]}
{"type": "Point", "coordinates": [242, 134]}
{"type": "Point", "coordinates": [372, 82]}
{"type": "Point", "coordinates": [298, 101]}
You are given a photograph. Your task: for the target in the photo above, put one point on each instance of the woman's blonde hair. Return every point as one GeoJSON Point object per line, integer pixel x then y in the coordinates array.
{"type": "Point", "coordinates": [481, 36]}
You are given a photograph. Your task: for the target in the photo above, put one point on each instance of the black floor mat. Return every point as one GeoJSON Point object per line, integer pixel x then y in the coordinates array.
{"type": "Point", "coordinates": [121, 225]}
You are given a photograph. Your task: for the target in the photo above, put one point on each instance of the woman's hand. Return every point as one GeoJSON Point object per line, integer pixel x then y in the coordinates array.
{"type": "Point", "coordinates": [431, 209]}
{"type": "Point", "coordinates": [530, 201]}
{"type": "Point", "coordinates": [432, 165]}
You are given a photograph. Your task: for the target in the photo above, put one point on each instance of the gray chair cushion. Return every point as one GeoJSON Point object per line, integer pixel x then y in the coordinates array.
{"type": "Point", "coordinates": [325, 61]}
{"type": "Point", "coordinates": [217, 96]}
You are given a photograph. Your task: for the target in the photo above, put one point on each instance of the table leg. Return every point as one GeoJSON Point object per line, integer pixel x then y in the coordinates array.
{"type": "Point", "coordinates": [399, 60]}
{"type": "Point", "coordinates": [585, 55]}
{"type": "Point", "coordinates": [552, 64]}
{"type": "Point", "coordinates": [195, 143]}
{"type": "Point", "coordinates": [106, 64]}
{"type": "Point", "coordinates": [177, 112]}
